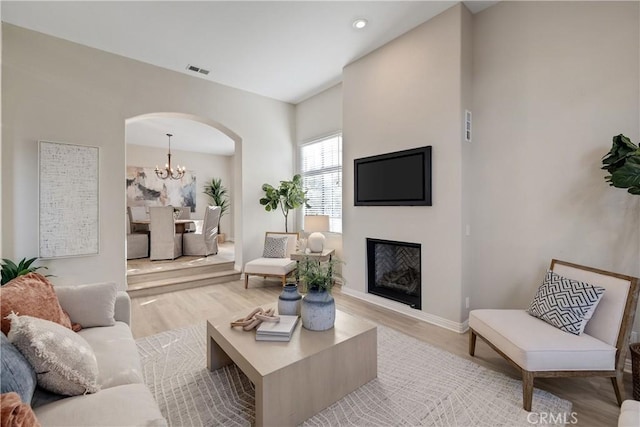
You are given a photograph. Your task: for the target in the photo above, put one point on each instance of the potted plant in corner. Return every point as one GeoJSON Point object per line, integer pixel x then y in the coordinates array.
{"type": "Point", "coordinates": [219, 197]}
{"type": "Point", "coordinates": [318, 308]}
{"type": "Point", "coordinates": [623, 164]}
{"type": "Point", "coordinates": [289, 195]}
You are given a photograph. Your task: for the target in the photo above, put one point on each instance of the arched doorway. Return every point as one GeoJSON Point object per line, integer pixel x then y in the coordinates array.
{"type": "Point", "coordinates": [221, 140]}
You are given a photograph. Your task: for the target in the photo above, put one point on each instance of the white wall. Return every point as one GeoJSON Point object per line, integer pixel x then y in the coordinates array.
{"type": "Point", "coordinates": [316, 117]}
{"type": "Point", "coordinates": [204, 167]}
{"type": "Point", "coordinates": [408, 94]}
{"type": "Point", "coordinates": [61, 91]}
{"type": "Point", "coordinates": [553, 82]}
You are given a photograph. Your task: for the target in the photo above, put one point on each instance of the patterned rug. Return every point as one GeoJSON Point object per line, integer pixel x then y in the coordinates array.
{"type": "Point", "coordinates": [417, 384]}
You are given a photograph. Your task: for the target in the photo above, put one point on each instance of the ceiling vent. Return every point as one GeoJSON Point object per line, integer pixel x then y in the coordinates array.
{"type": "Point", "coordinates": [197, 69]}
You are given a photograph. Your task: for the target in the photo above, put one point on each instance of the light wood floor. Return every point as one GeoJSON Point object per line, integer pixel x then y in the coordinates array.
{"type": "Point", "coordinates": [593, 399]}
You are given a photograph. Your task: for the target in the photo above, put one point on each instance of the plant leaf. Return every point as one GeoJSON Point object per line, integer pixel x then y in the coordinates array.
{"type": "Point", "coordinates": [628, 175]}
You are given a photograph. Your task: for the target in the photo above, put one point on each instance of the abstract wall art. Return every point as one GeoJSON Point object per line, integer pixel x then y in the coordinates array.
{"type": "Point", "coordinates": [144, 188]}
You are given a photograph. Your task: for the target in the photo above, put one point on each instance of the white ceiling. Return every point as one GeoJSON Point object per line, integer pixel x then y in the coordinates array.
{"type": "Point", "coordinates": [287, 50]}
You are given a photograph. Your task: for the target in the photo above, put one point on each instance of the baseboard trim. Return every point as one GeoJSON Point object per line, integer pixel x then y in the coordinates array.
{"type": "Point", "coordinates": [406, 310]}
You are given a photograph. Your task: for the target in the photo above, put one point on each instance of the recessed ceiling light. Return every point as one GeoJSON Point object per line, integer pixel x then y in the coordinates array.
{"type": "Point", "coordinates": [360, 23]}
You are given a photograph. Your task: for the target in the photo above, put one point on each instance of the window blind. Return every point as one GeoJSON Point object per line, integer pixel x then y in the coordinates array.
{"type": "Point", "coordinates": [321, 170]}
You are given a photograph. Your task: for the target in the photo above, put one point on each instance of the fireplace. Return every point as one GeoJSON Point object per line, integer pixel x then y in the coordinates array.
{"type": "Point", "coordinates": [393, 271]}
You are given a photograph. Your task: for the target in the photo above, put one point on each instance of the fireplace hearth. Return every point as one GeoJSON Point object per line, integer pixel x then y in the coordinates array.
{"type": "Point", "coordinates": [394, 271]}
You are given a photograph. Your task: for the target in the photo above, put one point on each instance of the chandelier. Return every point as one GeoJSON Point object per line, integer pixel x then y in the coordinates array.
{"type": "Point", "coordinates": [168, 172]}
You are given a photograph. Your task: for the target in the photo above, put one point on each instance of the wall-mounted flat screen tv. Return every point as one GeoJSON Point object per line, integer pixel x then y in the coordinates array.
{"type": "Point", "coordinates": [402, 178]}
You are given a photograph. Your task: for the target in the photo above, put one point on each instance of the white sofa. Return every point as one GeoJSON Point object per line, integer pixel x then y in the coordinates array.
{"type": "Point", "coordinates": [124, 399]}
{"type": "Point", "coordinates": [629, 414]}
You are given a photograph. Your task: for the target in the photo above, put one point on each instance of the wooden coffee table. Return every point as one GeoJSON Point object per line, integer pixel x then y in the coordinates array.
{"type": "Point", "coordinates": [297, 379]}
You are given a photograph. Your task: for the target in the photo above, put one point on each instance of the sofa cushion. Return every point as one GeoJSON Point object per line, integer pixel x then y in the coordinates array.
{"type": "Point", "coordinates": [89, 305]}
{"type": "Point", "coordinates": [31, 295]}
{"type": "Point", "coordinates": [125, 405]}
{"type": "Point", "coordinates": [542, 347]}
{"type": "Point", "coordinates": [64, 362]}
{"type": "Point", "coordinates": [275, 266]}
{"type": "Point", "coordinates": [116, 353]}
{"type": "Point", "coordinates": [565, 303]}
{"type": "Point", "coordinates": [16, 374]}
{"type": "Point", "coordinates": [629, 414]}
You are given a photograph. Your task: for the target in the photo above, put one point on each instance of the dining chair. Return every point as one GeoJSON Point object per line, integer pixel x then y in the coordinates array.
{"type": "Point", "coordinates": [138, 213]}
{"type": "Point", "coordinates": [185, 212]}
{"type": "Point", "coordinates": [137, 243]}
{"type": "Point", "coordinates": [165, 242]}
{"type": "Point", "coordinates": [203, 242]}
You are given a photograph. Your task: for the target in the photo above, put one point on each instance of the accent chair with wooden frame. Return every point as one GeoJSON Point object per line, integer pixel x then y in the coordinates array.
{"type": "Point", "coordinates": [273, 267]}
{"type": "Point", "coordinates": [541, 350]}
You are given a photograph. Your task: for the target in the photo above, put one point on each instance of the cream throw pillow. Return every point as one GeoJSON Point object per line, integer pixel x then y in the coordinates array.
{"type": "Point", "coordinates": [64, 362]}
{"type": "Point", "coordinates": [89, 305]}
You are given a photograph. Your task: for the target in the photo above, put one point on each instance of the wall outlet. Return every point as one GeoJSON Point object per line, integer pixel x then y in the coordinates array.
{"type": "Point", "coordinates": [466, 302]}
{"type": "Point", "coordinates": [634, 336]}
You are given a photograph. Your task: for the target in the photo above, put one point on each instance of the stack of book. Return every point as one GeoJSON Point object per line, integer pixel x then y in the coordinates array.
{"type": "Point", "coordinates": [277, 331]}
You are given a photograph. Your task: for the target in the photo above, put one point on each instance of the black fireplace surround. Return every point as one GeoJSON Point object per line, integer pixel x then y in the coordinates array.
{"type": "Point", "coordinates": [393, 271]}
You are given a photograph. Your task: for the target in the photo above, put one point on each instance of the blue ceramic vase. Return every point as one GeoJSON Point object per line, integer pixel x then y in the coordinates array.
{"type": "Point", "coordinates": [289, 300]}
{"type": "Point", "coordinates": [318, 310]}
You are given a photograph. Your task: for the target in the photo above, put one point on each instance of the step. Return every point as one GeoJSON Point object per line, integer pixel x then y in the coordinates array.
{"type": "Point", "coordinates": [173, 284]}
{"type": "Point", "coordinates": [178, 272]}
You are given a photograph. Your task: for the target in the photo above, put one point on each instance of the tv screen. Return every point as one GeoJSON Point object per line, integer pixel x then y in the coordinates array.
{"type": "Point", "coordinates": [402, 178]}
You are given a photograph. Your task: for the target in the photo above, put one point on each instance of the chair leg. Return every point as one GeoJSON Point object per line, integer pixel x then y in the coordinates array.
{"type": "Point", "coordinates": [472, 342]}
{"type": "Point", "coordinates": [246, 280]}
{"type": "Point", "coordinates": [618, 387]}
{"type": "Point", "coordinates": [527, 390]}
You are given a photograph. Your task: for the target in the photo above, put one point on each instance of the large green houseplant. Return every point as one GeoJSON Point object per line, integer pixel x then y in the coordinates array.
{"type": "Point", "coordinates": [219, 197]}
{"type": "Point", "coordinates": [623, 164]}
{"type": "Point", "coordinates": [289, 195]}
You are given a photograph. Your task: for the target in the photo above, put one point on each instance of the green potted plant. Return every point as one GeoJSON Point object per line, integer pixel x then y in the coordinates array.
{"type": "Point", "coordinates": [623, 164]}
{"type": "Point", "coordinates": [318, 308]}
{"type": "Point", "coordinates": [11, 270]}
{"type": "Point", "coordinates": [219, 197]}
{"type": "Point", "coordinates": [289, 195]}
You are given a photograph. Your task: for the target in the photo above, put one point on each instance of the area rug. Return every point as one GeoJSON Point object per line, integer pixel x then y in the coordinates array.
{"type": "Point", "coordinates": [417, 385]}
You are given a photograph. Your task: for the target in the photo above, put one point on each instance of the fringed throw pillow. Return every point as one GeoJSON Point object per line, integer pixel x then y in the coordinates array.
{"type": "Point", "coordinates": [64, 362]}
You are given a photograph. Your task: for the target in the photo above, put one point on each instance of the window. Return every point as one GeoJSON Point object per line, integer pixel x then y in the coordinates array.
{"type": "Point", "coordinates": [321, 170]}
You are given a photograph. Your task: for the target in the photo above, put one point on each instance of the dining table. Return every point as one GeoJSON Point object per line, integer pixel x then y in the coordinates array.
{"type": "Point", "coordinates": [181, 224]}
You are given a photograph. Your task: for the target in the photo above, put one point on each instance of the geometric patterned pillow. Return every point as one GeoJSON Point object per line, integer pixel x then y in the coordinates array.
{"type": "Point", "coordinates": [275, 247]}
{"type": "Point", "coordinates": [565, 303]}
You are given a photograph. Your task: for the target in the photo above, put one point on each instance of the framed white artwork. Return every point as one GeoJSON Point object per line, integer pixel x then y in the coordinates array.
{"type": "Point", "coordinates": [68, 215]}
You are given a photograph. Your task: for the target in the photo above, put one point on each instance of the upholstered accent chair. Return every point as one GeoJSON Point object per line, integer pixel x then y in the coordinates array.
{"type": "Point", "coordinates": [275, 260]}
{"type": "Point", "coordinates": [165, 242]}
{"type": "Point", "coordinates": [203, 242]}
{"type": "Point", "coordinates": [540, 350]}
{"type": "Point", "coordinates": [137, 243]}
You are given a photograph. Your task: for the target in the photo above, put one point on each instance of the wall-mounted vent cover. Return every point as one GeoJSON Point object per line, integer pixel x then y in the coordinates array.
{"type": "Point", "coordinates": [197, 69]}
